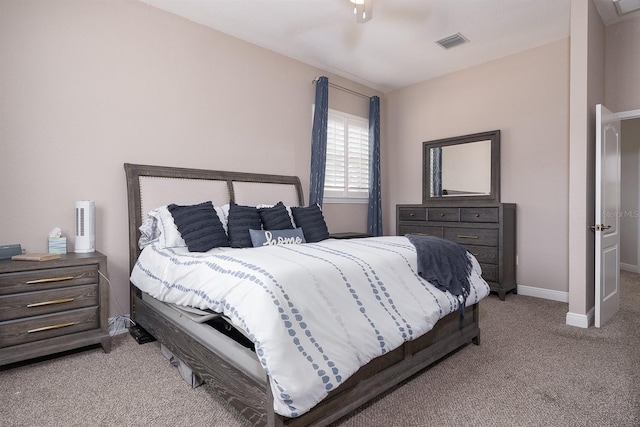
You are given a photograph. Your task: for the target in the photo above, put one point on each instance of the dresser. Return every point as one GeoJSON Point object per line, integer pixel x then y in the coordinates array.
{"type": "Point", "coordinates": [52, 306]}
{"type": "Point", "coordinates": [488, 231]}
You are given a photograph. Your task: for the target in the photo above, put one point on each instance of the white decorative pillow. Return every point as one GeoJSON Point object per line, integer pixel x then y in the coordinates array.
{"type": "Point", "coordinates": [223, 214]}
{"type": "Point", "coordinates": [159, 227]}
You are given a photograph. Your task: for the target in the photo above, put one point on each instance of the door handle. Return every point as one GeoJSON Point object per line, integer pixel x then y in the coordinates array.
{"type": "Point", "coordinates": [599, 227]}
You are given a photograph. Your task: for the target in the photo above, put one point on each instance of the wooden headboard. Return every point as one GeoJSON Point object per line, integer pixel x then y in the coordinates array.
{"type": "Point", "coordinates": [149, 187]}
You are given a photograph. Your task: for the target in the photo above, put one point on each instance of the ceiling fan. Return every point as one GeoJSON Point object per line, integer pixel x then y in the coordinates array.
{"type": "Point", "coordinates": [363, 10]}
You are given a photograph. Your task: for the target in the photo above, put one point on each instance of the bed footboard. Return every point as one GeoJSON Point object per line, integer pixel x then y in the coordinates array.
{"type": "Point", "coordinates": [252, 397]}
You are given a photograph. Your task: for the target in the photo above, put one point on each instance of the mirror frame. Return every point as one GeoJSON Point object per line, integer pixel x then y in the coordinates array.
{"type": "Point", "coordinates": [494, 194]}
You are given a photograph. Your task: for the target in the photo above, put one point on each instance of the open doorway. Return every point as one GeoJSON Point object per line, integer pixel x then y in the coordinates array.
{"type": "Point", "coordinates": [630, 196]}
{"type": "Point", "coordinates": [608, 200]}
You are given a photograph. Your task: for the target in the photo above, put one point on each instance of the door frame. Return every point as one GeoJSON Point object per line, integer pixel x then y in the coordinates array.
{"type": "Point", "coordinates": [630, 115]}
{"type": "Point", "coordinates": [622, 116]}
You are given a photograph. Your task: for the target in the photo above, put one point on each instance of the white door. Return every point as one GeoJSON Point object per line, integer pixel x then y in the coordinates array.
{"type": "Point", "coordinates": [607, 227]}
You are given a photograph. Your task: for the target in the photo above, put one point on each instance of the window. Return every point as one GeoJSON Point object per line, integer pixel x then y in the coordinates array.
{"type": "Point", "coordinates": [347, 171]}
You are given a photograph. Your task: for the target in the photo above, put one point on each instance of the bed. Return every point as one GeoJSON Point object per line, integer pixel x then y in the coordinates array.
{"type": "Point", "coordinates": [228, 362]}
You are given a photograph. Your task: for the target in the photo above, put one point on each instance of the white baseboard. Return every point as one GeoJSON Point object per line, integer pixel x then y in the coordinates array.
{"type": "Point", "coordinates": [543, 293]}
{"type": "Point", "coordinates": [580, 320]}
{"type": "Point", "coordinates": [629, 267]}
{"type": "Point", "coordinates": [573, 319]}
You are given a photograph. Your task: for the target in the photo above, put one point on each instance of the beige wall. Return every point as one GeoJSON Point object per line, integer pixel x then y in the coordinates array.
{"type": "Point", "coordinates": [526, 96]}
{"type": "Point", "coordinates": [89, 85]}
{"type": "Point", "coordinates": [623, 65]}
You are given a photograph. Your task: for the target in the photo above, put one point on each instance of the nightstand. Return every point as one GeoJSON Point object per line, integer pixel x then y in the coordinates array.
{"type": "Point", "coordinates": [52, 306]}
{"type": "Point", "coordinates": [349, 235]}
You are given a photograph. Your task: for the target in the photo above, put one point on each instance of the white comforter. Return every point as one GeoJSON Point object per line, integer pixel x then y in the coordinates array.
{"type": "Point", "coordinates": [316, 312]}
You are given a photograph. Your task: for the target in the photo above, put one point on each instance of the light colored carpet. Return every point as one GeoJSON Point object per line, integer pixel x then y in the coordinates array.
{"type": "Point", "coordinates": [530, 370]}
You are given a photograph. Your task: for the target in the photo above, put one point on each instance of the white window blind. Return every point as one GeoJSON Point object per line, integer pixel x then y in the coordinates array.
{"type": "Point", "coordinates": [347, 170]}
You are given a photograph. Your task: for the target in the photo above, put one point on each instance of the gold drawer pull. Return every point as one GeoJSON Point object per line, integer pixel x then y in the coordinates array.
{"type": "Point", "coordinates": [467, 236]}
{"type": "Point", "coordinates": [57, 301]}
{"type": "Point", "coordinates": [48, 328]}
{"type": "Point", "coordinates": [51, 279]}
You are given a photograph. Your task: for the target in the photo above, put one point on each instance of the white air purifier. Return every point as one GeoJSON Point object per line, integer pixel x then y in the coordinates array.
{"type": "Point", "coordinates": [85, 226]}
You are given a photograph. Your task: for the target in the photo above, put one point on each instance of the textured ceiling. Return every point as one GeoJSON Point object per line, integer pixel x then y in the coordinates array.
{"type": "Point", "coordinates": [396, 48]}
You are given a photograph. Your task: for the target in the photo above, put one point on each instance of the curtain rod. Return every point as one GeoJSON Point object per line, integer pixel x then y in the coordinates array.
{"type": "Point", "coordinates": [344, 89]}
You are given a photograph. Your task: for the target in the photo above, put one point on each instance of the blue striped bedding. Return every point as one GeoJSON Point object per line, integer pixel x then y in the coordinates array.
{"type": "Point", "coordinates": [316, 312]}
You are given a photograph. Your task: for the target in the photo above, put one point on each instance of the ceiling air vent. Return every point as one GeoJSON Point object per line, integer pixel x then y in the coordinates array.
{"type": "Point", "coordinates": [626, 6]}
{"type": "Point", "coordinates": [452, 41]}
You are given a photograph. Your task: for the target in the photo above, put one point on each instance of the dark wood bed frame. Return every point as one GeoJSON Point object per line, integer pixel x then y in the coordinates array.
{"type": "Point", "coordinates": [251, 397]}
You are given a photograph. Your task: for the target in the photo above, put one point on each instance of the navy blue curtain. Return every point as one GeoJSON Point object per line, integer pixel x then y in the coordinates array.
{"type": "Point", "coordinates": [374, 215]}
{"type": "Point", "coordinates": [319, 141]}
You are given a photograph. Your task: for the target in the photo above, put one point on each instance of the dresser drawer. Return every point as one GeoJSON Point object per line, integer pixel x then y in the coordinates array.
{"type": "Point", "coordinates": [14, 332]}
{"type": "Point", "coordinates": [29, 304]}
{"type": "Point", "coordinates": [412, 214]}
{"type": "Point", "coordinates": [472, 236]}
{"type": "Point", "coordinates": [489, 272]}
{"type": "Point", "coordinates": [50, 278]}
{"type": "Point", "coordinates": [420, 230]}
{"type": "Point", "coordinates": [479, 214]}
{"type": "Point", "coordinates": [443, 214]}
{"type": "Point", "coordinates": [484, 254]}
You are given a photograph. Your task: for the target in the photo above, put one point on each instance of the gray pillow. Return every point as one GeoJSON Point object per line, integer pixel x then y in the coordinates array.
{"type": "Point", "coordinates": [276, 237]}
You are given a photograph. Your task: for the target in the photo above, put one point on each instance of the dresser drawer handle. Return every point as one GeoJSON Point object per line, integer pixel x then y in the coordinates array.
{"type": "Point", "coordinates": [57, 301]}
{"type": "Point", "coordinates": [477, 215]}
{"type": "Point", "coordinates": [442, 214]}
{"type": "Point", "coordinates": [412, 214]}
{"type": "Point", "coordinates": [51, 279]}
{"type": "Point", "coordinates": [48, 328]}
{"type": "Point", "coordinates": [467, 236]}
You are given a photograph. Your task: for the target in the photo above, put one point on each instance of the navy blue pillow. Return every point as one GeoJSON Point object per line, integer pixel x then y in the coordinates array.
{"type": "Point", "coordinates": [275, 218]}
{"type": "Point", "coordinates": [241, 220]}
{"type": "Point", "coordinates": [199, 226]}
{"type": "Point", "coordinates": [312, 222]}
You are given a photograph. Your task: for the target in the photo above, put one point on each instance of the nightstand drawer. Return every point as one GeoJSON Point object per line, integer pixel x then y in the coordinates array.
{"type": "Point", "coordinates": [443, 214]}
{"type": "Point", "coordinates": [50, 278]}
{"type": "Point", "coordinates": [29, 304]}
{"type": "Point", "coordinates": [472, 236]}
{"type": "Point", "coordinates": [412, 214]}
{"type": "Point", "coordinates": [14, 332]}
{"type": "Point", "coordinates": [479, 214]}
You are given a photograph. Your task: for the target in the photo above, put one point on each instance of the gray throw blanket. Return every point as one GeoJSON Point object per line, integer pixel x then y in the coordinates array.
{"type": "Point", "coordinates": [444, 264]}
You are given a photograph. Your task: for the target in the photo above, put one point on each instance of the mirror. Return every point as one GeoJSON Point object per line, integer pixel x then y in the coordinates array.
{"type": "Point", "coordinates": [462, 169]}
